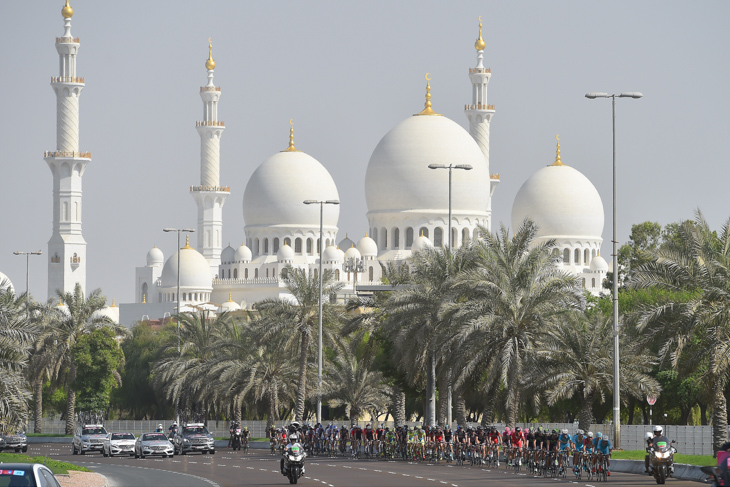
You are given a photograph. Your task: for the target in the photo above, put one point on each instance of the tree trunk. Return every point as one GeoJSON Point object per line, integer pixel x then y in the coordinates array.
{"type": "Point", "coordinates": [273, 407]}
{"type": "Point", "coordinates": [237, 410]}
{"type": "Point", "coordinates": [38, 393]}
{"type": "Point", "coordinates": [488, 412]}
{"type": "Point", "coordinates": [513, 408]}
{"type": "Point", "coordinates": [302, 386]}
{"type": "Point", "coordinates": [459, 408]}
{"type": "Point", "coordinates": [399, 406]}
{"type": "Point", "coordinates": [443, 401]}
{"type": "Point", "coordinates": [586, 413]}
{"type": "Point", "coordinates": [430, 418]}
{"type": "Point", "coordinates": [703, 414]}
{"type": "Point", "coordinates": [719, 417]}
{"type": "Point", "coordinates": [70, 411]}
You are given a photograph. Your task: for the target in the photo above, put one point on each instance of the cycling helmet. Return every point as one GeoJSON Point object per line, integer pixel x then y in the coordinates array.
{"type": "Point", "coordinates": [174, 423]}
{"type": "Point", "coordinates": [245, 428]}
{"type": "Point", "coordinates": [580, 432]}
{"type": "Point", "coordinates": [518, 429]}
{"type": "Point", "coordinates": [565, 431]}
{"type": "Point", "coordinates": [540, 429]}
{"type": "Point", "coordinates": [599, 434]}
{"type": "Point", "coordinates": [507, 429]}
{"type": "Point", "coordinates": [658, 430]}
{"type": "Point", "coordinates": [159, 426]}
{"type": "Point", "coordinates": [555, 431]}
{"type": "Point", "coordinates": [293, 438]}
{"type": "Point", "coordinates": [590, 434]}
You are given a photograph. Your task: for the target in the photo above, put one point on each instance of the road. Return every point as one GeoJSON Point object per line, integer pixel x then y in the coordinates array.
{"type": "Point", "coordinates": [228, 468]}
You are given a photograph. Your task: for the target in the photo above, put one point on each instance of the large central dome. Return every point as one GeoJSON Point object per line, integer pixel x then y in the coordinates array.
{"type": "Point", "coordinates": [398, 178]}
{"type": "Point", "coordinates": [275, 193]}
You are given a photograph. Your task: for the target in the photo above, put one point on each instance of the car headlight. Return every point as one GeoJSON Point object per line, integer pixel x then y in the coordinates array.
{"type": "Point", "coordinates": [186, 440]}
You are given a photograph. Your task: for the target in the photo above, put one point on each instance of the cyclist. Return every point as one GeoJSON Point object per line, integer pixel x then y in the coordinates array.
{"type": "Point", "coordinates": [507, 444]}
{"type": "Point", "coordinates": [566, 443]}
{"type": "Point", "coordinates": [578, 440]}
{"type": "Point", "coordinates": [246, 436]}
{"type": "Point", "coordinates": [369, 438]}
{"type": "Point", "coordinates": [448, 440]}
{"type": "Point", "coordinates": [420, 439]}
{"type": "Point", "coordinates": [604, 448]}
{"type": "Point", "coordinates": [495, 439]}
{"type": "Point", "coordinates": [589, 447]}
{"type": "Point", "coordinates": [517, 439]}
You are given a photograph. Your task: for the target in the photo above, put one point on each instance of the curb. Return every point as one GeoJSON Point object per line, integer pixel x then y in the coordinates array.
{"type": "Point", "coordinates": [682, 471]}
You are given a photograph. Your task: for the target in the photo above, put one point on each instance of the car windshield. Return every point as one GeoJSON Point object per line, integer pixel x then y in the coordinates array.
{"type": "Point", "coordinates": [195, 430]}
{"type": "Point", "coordinates": [93, 431]}
{"type": "Point", "coordinates": [17, 477]}
{"type": "Point", "coordinates": [122, 436]}
{"type": "Point", "coordinates": [154, 437]}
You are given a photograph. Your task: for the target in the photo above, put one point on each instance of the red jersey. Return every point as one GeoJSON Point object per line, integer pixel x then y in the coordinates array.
{"type": "Point", "coordinates": [517, 438]}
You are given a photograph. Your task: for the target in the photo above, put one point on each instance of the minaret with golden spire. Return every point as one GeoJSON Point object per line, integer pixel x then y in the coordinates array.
{"type": "Point", "coordinates": [67, 247]}
{"type": "Point", "coordinates": [210, 196]}
{"type": "Point", "coordinates": [479, 112]}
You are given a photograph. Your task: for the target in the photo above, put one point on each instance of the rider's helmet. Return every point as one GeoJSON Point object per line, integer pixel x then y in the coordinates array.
{"type": "Point", "coordinates": [648, 435]}
{"type": "Point", "coordinates": [368, 426]}
{"type": "Point", "coordinates": [293, 438]}
{"type": "Point", "coordinates": [565, 431]}
{"type": "Point", "coordinates": [507, 429]}
{"type": "Point", "coordinates": [295, 424]}
{"type": "Point", "coordinates": [658, 430]}
{"type": "Point", "coordinates": [245, 428]}
{"type": "Point", "coordinates": [174, 423]}
{"type": "Point", "coordinates": [540, 429]}
{"type": "Point", "coordinates": [387, 429]}
{"type": "Point", "coordinates": [447, 428]}
{"type": "Point", "coordinates": [555, 431]}
{"type": "Point", "coordinates": [418, 428]}
{"type": "Point", "coordinates": [518, 429]}
{"type": "Point", "coordinates": [159, 426]}
{"type": "Point", "coordinates": [580, 432]}
{"type": "Point", "coordinates": [527, 430]}
{"type": "Point", "coordinates": [590, 434]}
{"type": "Point", "coordinates": [599, 434]}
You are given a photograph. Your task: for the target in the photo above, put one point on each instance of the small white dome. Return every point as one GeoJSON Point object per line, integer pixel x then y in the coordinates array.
{"type": "Point", "coordinates": [195, 271]}
{"type": "Point", "coordinates": [229, 305]}
{"type": "Point", "coordinates": [599, 264]}
{"type": "Point", "coordinates": [285, 254]}
{"type": "Point", "coordinates": [562, 202]}
{"type": "Point", "coordinates": [227, 255]}
{"type": "Point", "coordinates": [367, 247]}
{"type": "Point", "coordinates": [5, 283]}
{"type": "Point", "coordinates": [331, 255]}
{"type": "Point", "coordinates": [275, 193]}
{"type": "Point", "coordinates": [421, 242]}
{"type": "Point", "coordinates": [341, 253]}
{"type": "Point", "coordinates": [346, 243]}
{"type": "Point", "coordinates": [352, 253]}
{"type": "Point", "coordinates": [243, 254]}
{"type": "Point", "coordinates": [155, 257]}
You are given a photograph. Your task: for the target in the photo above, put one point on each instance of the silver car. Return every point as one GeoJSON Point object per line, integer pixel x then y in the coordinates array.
{"type": "Point", "coordinates": [152, 444]}
{"type": "Point", "coordinates": [16, 441]}
{"type": "Point", "coordinates": [118, 444]}
{"type": "Point", "coordinates": [88, 438]}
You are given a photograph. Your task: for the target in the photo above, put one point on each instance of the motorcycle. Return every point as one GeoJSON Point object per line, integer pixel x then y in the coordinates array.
{"type": "Point", "coordinates": [661, 459]}
{"type": "Point", "coordinates": [293, 464]}
{"type": "Point", "coordinates": [236, 441]}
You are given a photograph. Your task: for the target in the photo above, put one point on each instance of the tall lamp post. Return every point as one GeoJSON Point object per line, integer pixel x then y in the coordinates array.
{"type": "Point", "coordinates": [321, 204]}
{"type": "Point", "coordinates": [465, 167]}
{"type": "Point", "coordinates": [27, 276]}
{"type": "Point", "coordinates": [616, 378]}
{"type": "Point", "coordinates": [177, 299]}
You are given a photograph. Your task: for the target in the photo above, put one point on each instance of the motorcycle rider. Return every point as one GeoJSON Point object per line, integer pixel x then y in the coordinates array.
{"type": "Point", "coordinates": [659, 436]}
{"type": "Point", "coordinates": [293, 442]}
{"type": "Point", "coordinates": [231, 432]}
{"type": "Point", "coordinates": [159, 429]}
{"type": "Point", "coordinates": [649, 443]}
{"type": "Point", "coordinates": [172, 430]}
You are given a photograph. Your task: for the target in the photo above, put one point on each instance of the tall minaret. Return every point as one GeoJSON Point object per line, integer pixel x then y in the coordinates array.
{"type": "Point", "coordinates": [479, 112]}
{"type": "Point", "coordinates": [67, 247]}
{"type": "Point", "coordinates": [209, 196]}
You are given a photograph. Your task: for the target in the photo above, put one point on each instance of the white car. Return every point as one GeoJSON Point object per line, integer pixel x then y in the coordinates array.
{"type": "Point", "coordinates": [88, 438]}
{"type": "Point", "coordinates": [152, 444]}
{"type": "Point", "coordinates": [27, 474]}
{"type": "Point", "coordinates": [118, 444]}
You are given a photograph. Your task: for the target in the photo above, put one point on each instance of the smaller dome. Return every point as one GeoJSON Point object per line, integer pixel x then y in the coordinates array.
{"type": "Point", "coordinates": [599, 264]}
{"type": "Point", "coordinates": [155, 257]}
{"type": "Point", "coordinates": [367, 247]}
{"type": "Point", "coordinates": [285, 254]}
{"type": "Point", "coordinates": [194, 270]}
{"type": "Point", "coordinates": [243, 254]}
{"type": "Point", "coordinates": [421, 242]}
{"type": "Point", "coordinates": [67, 11]}
{"type": "Point", "coordinates": [331, 255]}
{"type": "Point", "coordinates": [229, 305]}
{"type": "Point", "coordinates": [346, 243]}
{"type": "Point", "coordinates": [228, 255]}
{"type": "Point", "coordinates": [341, 253]}
{"type": "Point", "coordinates": [352, 253]}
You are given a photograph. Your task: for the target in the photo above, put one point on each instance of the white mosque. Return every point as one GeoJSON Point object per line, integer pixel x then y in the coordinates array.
{"type": "Point", "coordinates": [407, 202]}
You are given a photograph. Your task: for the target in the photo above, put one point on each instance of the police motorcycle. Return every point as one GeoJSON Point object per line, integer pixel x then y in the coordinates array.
{"type": "Point", "coordinates": [292, 465]}
{"type": "Point", "coordinates": [661, 456]}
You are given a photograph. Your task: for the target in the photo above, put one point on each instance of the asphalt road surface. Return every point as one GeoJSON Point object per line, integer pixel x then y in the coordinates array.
{"type": "Point", "coordinates": [228, 468]}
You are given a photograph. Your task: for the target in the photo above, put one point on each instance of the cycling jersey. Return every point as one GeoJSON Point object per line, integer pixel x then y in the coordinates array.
{"type": "Point", "coordinates": [604, 446]}
{"type": "Point", "coordinates": [553, 441]}
{"type": "Point", "coordinates": [578, 442]}
{"type": "Point", "coordinates": [564, 440]}
{"type": "Point", "coordinates": [494, 437]}
{"type": "Point", "coordinates": [517, 439]}
{"type": "Point", "coordinates": [447, 436]}
{"type": "Point", "coordinates": [588, 444]}
{"type": "Point", "coordinates": [506, 438]}
{"type": "Point", "coordinates": [369, 434]}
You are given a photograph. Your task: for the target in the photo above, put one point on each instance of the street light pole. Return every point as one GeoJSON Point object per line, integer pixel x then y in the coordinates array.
{"type": "Point", "coordinates": [465, 167]}
{"type": "Point", "coordinates": [321, 204]}
{"type": "Point", "coordinates": [177, 302]}
{"type": "Point", "coordinates": [616, 373]}
{"type": "Point", "coordinates": [27, 277]}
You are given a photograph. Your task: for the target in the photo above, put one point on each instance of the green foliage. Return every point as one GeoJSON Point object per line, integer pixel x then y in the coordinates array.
{"type": "Point", "coordinates": [97, 357]}
{"type": "Point", "coordinates": [55, 466]}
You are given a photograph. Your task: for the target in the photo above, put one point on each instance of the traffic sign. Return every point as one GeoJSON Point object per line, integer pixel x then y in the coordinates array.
{"type": "Point", "coordinates": [651, 400]}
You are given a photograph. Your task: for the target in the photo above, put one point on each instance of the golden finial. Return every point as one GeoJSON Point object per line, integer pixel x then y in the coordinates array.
{"type": "Point", "coordinates": [557, 162]}
{"type": "Point", "coordinates": [210, 64]}
{"type": "Point", "coordinates": [230, 299]}
{"type": "Point", "coordinates": [480, 44]}
{"type": "Point", "coordinates": [428, 110]}
{"type": "Point", "coordinates": [421, 233]}
{"type": "Point", "coordinates": [114, 304]}
{"type": "Point", "coordinates": [291, 147]}
{"type": "Point", "coordinates": [60, 303]}
{"type": "Point", "coordinates": [67, 11]}
{"type": "Point", "coordinates": [187, 242]}
{"type": "Point", "coordinates": [144, 299]}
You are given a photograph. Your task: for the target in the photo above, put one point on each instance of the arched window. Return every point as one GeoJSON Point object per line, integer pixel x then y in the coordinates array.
{"type": "Point", "coordinates": [287, 241]}
{"type": "Point", "coordinates": [229, 273]}
{"type": "Point", "coordinates": [438, 237]}
{"type": "Point", "coordinates": [266, 246]}
{"type": "Point", "coordinates": [464, 235]}
{"type": "Point", "coordinates": [76, 212]}
{"type": "Point", "coordinates": [584, 283]}
{"type": "Point", "coordinates": [184, 297]}
{"type": "Point", "coordinates": [235, 273]}
{"type": "Point", "coordinates": [396, 238]}
{"type": "Point", "coordinates": [256, 247]}
{"type": "Point", "coordinates": [284, 273]}
{"type": "Point", "coordinates": [556, 252]}
{"type": "Point", "coordinates": [298, 245]}
{"type": "Point", "coordinates": [245, 273]}
{"type": "Point", "coordinates": [318, 250]}
{"type": "Point", "coordinates": [374, 235]}
{"type": "Point", "coordinates": [309, 246]}
{"type": "Point", "coordinates": [476, 234]}
{"type": "Point", "coordinates": [316, 275]}
{"type": "Point", "coordinates": [454, 237]}
{"type": "Point", "coordinates": [566, 256]}
{"type": "Point", "coordinates": [255, 273]}
{"type": "Point", "coordinates": [423, 231]}
{"type": "Point", "coordinates": [593, 253]}
{"type": "Point", "coordinates": [276, 244]}
{"type": "Point", "coordinates": [384, 238]}
{"type": "Point", "coordinates": [409, 237]}
{"type": "Point", "coordinates": [593, 282]}
{"type": "Point", "coordinates": [337, 274]}
{"type": "Point", "coordinates": [144, 291]}
{"type": "Point", "coordinates": [267, 273]}
{"type": "Point", "coordinates": [586, 256]}
{"type": "Point", "coordinates": [576, 256]}
{"type": "Point", "coordinates": [370, 274]}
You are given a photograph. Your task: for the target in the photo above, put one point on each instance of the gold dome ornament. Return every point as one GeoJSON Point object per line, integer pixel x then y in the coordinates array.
{"type": "Point", "coordinates": [291, 147]}
{"type": "Point", "coordinates": [479, 45]}
{"type": "Point", "coordinates": [557, 162]}
{"type": "Point", "coordinates": [210, 64]}
{"type": "Point", "coordinates": [67, 11]}
{"type": "Point", "coordinates": [428, 110]}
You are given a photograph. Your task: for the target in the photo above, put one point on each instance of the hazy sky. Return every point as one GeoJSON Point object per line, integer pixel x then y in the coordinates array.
{"type": "Point", "coordinates": [347, 72]}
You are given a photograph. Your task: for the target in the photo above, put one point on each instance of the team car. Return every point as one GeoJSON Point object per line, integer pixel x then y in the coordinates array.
{"type": "Point", "coordinates": [16, 441]}
{"type": "Point", "coordinates": [88, 438]}
{"type": "Point", "coordinates": [27, 474]}
{"type": "Point", "coordinates": [194, 437]}
{"type": "Point", "coordinates": [118, 444]}
{"type": "Point", "coordinates": [152, 444]}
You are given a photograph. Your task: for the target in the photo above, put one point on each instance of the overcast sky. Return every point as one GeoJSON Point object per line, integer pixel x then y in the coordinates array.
{"type": "Point", "coordinates": [347, 72]}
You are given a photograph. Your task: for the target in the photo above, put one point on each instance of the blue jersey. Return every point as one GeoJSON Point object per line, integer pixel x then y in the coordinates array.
{"type": "Point", "coordinates": [604, 446]}
{"type": "Point", "coordinates": [564, 441]}
{"type": "Point", "coordinates": [578, 442]}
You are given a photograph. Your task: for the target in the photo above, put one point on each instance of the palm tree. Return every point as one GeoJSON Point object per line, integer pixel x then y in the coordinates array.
{"type": "Point", "coordinates": [576, 358]}
{"type": "Point", "coordinates": [694, 324]}
{"type": "Point", "coordinates": [297, 320]}
{"type": "Point", "coordinates": [79, 316]}
{"type": "Point", "coordinates": [511, 297]}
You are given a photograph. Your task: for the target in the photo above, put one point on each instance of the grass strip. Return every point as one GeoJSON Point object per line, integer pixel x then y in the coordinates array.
{"type": "Point", "coordinates": [55, 466]}
{"type": "Point", "coordinates": [700, 460]}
